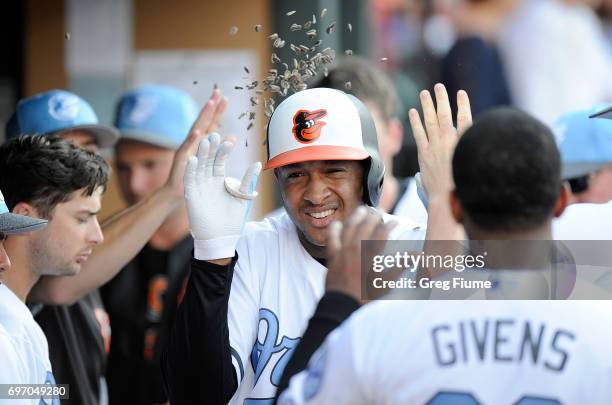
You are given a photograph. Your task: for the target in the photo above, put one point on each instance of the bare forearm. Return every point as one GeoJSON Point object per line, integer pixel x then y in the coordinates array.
{"type": "Point", "coordinates": [124, 236]}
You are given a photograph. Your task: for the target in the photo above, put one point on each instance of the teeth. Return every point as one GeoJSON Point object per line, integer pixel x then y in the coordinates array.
{"type": "Point", "coordinates": [320, 215]}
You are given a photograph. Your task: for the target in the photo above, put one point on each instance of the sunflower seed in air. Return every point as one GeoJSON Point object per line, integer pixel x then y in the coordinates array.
{"type": "Point", "coordinates": [67, 36]}
{"type": "Point", "coordinates": [291, 12]}
{"type": "Point", "coordinates": [195, 82]}
{"type": "Point", "coordinates": [233, 30]}
{"type": "Point", "coordinates": [350, 27]}
{"type": "Point", "coordinates": [257, 27]}
{"type": "Point", "coordinates": [311, 33]}
{"type": "Point", "coordinates": [248, 129]}
{"type": "Point", "coordinates": [254, 101]}
{"type": "Point", "coordinates": [242, 115]}
{"type": "Point", "coordinates": [314, 19]}
{"type": "Point", "coordinates": [251, 116]}
{"type": "Point", "coordinates": [330, 28]}
{"type": "Point", "coordinates": [307, 25]}
{"type": "Point", "coordinates": [319, 42]}
{"type": "Point", "coordinates": [323, 12]}
{"type": "Point", "coordinates": [295, 27]}
{"type": "Point", "coordinates": [384, 59]}
{"type": "Point", "coordinates": [273, 36]}
{"type": "Point", "coordinates": [238, 87]}
{"type": "Point", "coordinates": [274, 58]}
{"type": "Point", "coordinates": [246, 69]}
{"type": "Point", "coordinates": [348, 52]}
{"type": "Point", "coordinates": [347, 85]}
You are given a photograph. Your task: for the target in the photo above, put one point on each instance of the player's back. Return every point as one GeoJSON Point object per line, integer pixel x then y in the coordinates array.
{"type": "Point", "coordinates": [464, 352]}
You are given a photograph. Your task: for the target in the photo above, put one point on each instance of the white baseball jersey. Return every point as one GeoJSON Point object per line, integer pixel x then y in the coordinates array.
{"type": "Point", "coordinates": [275, 290]}
{"type": "Point", "coordinates": [24, 353]}
{"type": "Point", "coordinates": [464, 352]}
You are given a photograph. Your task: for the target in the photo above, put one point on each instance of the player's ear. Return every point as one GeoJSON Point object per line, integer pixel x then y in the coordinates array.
{"type": "Point", "coordinates": [456, 209]}
{"type": "Point", "coordinates": [562, 201]}
{"type": "Point", "coordinates": [26, 209]}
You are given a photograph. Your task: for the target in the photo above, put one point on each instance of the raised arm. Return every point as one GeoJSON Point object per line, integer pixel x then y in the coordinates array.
{"type": "Point", "coordinates": [197, 360]}
{"type": "Point", "coordinates": [126, 233]}
{"type": "Point", "coordinates": [436, 143]}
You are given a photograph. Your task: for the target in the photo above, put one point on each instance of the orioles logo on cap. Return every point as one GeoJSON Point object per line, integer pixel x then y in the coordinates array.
{"type": "Point", "coordinates": [306, 125]}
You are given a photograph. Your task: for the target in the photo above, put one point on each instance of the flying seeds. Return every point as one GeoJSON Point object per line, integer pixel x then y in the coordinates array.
{"type": "Point", "coordinates": [233, 30]}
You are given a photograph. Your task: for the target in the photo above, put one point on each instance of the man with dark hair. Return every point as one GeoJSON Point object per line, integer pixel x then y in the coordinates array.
{"type": "Point", "coordinates": [79, 334]}
{"type": "Point", "coordinates": [523, 157]}
{"type": "Point", "coordinates": [52, 179]}
{"type": "Point", "coordinates": [506, 170]}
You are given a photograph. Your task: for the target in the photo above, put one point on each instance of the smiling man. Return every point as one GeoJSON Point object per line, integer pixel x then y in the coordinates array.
{"type": "Point", "coordinates": [49, 178]}
{"type": "Point", "coordinates": [253, 287]}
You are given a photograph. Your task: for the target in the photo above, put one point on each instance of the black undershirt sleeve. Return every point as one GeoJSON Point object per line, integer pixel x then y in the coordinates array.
{"type": "Point", "coordinates": [196, 361]}
{"type": "Point", "coordinates": [332, 310]}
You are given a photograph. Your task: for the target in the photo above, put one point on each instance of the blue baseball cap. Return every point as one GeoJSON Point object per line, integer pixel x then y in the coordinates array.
{"type": "Point", "coordinates": [156, 114]}
{"type": "Point", "coordinates": [57, 111]}
{"type": "Point", "coordinates": [585, 144]}
{"type": "Point", "coordinates": [14, 223]}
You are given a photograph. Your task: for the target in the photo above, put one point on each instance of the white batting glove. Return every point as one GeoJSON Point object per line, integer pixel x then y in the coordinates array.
{"type": "Point", "coordinates": [217, 205]}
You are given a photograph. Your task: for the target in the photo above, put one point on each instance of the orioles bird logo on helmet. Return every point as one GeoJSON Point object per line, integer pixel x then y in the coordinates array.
{"type": "Point", "coordinates": [306, 125]}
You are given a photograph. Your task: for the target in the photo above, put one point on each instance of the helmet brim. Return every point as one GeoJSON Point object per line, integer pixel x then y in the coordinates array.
{"type": "Point", "coordinates": [316, 152]}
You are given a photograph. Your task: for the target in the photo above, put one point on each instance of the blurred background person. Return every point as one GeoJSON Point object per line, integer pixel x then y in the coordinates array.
{"type": "Point", "coordinates": [586, 154]}
{"type": "Point", "coordinates": [153, 121]}
{"type": "Point", "coordinates": [556, 57]}
{"type": "Point", "coordinates": [473, 63]}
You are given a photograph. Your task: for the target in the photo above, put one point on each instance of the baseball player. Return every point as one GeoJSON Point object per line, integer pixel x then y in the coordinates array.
{"type": "Point", "coordinates": [504, 352]}
{"type": "Point", "coordinates": [372, 86]}
{"type": "Point", "coordinates": [47, 178]}
{"type": "Point", "coordinates": [253, 287]}
{"type": "Point", "coordinates": [153, 121]}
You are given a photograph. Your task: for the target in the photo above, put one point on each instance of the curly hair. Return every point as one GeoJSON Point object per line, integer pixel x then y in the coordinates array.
{"type": "Point", "coordinates": [45, 170]}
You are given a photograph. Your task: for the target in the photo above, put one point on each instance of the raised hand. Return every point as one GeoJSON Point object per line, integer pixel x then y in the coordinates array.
{"type": "Point", "coordinates": [437, 139]}
{"type": "Point", "coordinates": [217, 205]}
